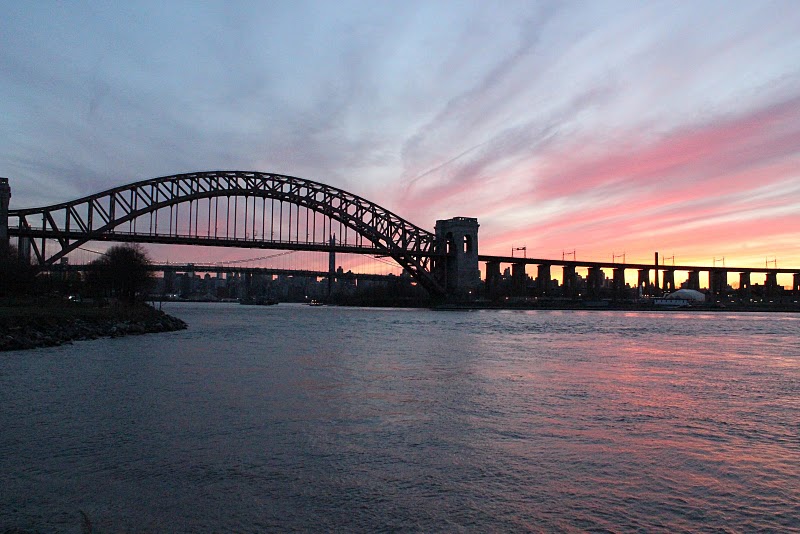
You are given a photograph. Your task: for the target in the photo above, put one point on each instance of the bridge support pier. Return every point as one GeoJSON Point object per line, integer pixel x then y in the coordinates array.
{"type": "Point", "coordinates": [24, 249]}
{"type": "Point", "coordinates": [744, 284]}
{"type": "Point", "coordinates": [594, 282]}
{"type": "Point", "coordinates": [331, 265]}
{"type": "Point", "coordinates": [619, 283]}
{"type": "Point", "coordinates": [669, 280]}
{"type": "Point", "coordinates": [5, 197]}
{"type": "Point", "coordinates": [693, 282]}
{"type": "Point", "coordinates": [570, 282]}
{"type": "Point", "coordinates": [643, 283]}
{"type": "Point", "coordinates": [771, 285]}
{"type": "Point", "coordinates": [492, 278]}
{"type": "Point", "coordinates": [457, 242]}
{"type": "Point", "coordinates": [247, 287]}
{"type": "Point", "coordinates": [543, 279]}
{"type": "Point", "coordinates": [717, 281]}
{"type": "Point", "coordinates": [518, 279]}
{"type": "Point", "coordinates": [796, 284]}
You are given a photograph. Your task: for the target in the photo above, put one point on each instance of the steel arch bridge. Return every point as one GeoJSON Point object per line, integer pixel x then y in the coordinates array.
{"type": "Point", "coordinates": [230, 209]}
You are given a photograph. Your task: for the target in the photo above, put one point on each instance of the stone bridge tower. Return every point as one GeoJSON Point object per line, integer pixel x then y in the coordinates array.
{"type": "Point", "coordinates": [457, 240]}
{"type": "Point", "coordinates": [5, 197]}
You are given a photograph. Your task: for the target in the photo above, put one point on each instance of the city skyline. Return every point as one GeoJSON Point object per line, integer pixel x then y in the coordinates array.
{"type": "Point", "coordinates": [605, 128]}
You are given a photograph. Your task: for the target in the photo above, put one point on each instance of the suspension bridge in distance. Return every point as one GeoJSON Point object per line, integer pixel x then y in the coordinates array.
{"type": "Point", "coordinates": [237, 269]}
{"type": "Point", "coordinates": [256, 210]}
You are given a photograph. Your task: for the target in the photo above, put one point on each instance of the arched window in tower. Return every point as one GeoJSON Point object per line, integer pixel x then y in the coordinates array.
{"type": "Point", "coordinates": [467, 244]}
{"type": "Point", "coordinates": [449, 241]}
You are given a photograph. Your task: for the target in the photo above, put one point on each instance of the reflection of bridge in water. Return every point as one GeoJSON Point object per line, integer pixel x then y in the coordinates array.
{"type": "Point", "coordinates": [256, 210]}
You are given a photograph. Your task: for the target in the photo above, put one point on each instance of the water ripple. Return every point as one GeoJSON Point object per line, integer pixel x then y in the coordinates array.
{"type": "Point", "coordinates": [276, 419]}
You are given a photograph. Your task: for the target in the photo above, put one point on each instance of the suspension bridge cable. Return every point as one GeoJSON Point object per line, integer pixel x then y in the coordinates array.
{"type": "Point", "coordinates": [92, 251]}
{"type": "Point", "coordinates": [230, 262]}
{"type": "Point", "coordinates": [387, 262]}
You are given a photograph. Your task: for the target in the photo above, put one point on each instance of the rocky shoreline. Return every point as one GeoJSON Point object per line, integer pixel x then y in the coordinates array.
{"type": "Point", "coordinates": [29, 328]}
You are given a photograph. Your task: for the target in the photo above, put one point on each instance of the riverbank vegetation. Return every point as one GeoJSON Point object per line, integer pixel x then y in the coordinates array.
{"type": "Point", "coordinates": [42, 311]}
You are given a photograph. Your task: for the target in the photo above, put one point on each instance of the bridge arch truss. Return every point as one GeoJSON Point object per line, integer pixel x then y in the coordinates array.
{"type": "Point", "coordinates": [222, 208]}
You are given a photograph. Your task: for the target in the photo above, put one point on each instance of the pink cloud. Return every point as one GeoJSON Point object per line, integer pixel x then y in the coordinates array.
{"type": "Point", "coordinates": [685, 157]}
{"type": "Point", "coordinates": [710, 183]}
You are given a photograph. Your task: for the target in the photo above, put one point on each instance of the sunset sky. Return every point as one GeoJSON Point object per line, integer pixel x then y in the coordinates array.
{"type": "Point", "coordinates": [600, 127]}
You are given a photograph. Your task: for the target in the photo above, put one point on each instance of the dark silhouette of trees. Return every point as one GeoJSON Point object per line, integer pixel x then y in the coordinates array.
{"type": "Point", "coordinates": [122, 272]}
{"type": "Point", "coordinates": [16, 277]}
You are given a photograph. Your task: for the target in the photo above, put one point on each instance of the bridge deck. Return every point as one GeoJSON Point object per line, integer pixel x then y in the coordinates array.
{"type": "Point", "coordinates": [212, 241]}
{"type": "Point", "coordinates": [611, 265]}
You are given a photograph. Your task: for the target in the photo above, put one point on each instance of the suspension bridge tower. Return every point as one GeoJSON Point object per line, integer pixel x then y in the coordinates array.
{"type": "Point", "coordinates": [457, 241]}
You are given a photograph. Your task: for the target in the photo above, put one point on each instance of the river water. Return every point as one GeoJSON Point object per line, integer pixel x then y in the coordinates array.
{"type": "Point", "coordinates": [292, 417]}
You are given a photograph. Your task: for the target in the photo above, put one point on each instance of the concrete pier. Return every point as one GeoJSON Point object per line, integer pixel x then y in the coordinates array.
{"type": "Point", "coordinates": [744, 284]}
{"type": "Point", "coordinates": [493, 278]}
{"type": "Point", "coordinates": [457, 240]}
{"type": "Point", "coordinates": [518, 278]}
{"type": "Point", "coordinates": [619, 283]}
{"type": "Point", "coordinates": [717, 280]}
{"type": "Point", "coordinates": [771, 285]}
{"type": "Point", "coordinates": [570, 283]}
{"type": "Point", "coordinates": [693, 282]}
{"type": "Point", "coordinates": [643, 283]}
{"type": "Point", "coordinates": [543, 279]}
{"type": "Point", "coordinates": [669, 280]}
{"type": "Point", "coordinates": [594, 282]}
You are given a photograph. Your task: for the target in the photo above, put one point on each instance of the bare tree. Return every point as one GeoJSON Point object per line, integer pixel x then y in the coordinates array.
{"type": "Point", "coordinates": [122, 272]}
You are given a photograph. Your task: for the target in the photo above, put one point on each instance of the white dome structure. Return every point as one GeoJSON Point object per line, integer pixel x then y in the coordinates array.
{"type": "Point", "coordinates": [687, 294]}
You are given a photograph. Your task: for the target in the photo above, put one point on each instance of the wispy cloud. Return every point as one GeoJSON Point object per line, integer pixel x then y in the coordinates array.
{"type": "Point", "coordinates": [561, 125]}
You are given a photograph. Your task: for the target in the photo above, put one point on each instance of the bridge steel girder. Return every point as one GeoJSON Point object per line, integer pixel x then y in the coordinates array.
{"type": "Point", "coordinates": [95, 217]}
